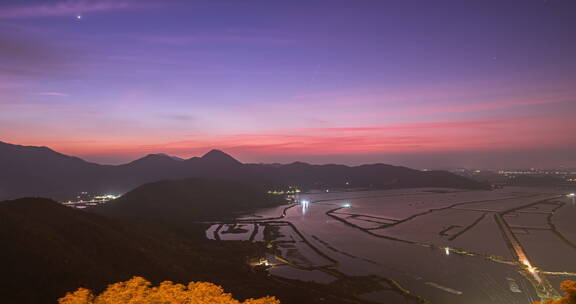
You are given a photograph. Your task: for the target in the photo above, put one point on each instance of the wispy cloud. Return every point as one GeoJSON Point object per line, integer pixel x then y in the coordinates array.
{"type": "Point", "coordinates": [182, 40]}
{"type": "Point", "coordinates": [66, 8]}
{"type": "Point", "coordinates": [56, 94]}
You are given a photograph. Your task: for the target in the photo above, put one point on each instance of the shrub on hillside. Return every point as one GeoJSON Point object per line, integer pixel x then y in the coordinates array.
{"type": "Point", "coordinates": [139, 291]}
{"type": "Point", "coordinates": [569, 288]}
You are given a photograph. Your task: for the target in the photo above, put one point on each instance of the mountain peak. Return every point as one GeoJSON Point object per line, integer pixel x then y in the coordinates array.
{"type": "Point", "coordinates": [159, 158]}
{"type": "Point", "coordinates": [164, 155]}
{"type": "Point", "coordinates": [219, 156]}
{"type": "Point", "coordinates": [155, 156]}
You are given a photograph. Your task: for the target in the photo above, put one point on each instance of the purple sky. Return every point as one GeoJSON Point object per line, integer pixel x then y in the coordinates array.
{"type": "Point", "coordinates": [419, 83]}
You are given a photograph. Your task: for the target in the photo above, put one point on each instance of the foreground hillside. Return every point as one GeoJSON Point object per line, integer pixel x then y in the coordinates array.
{"type": "Point", "coordinates": [177, 203]}
{"type": "Point", "coordinates": [49, 249]}
{"type": "Point", "coordinates": [40, 171]}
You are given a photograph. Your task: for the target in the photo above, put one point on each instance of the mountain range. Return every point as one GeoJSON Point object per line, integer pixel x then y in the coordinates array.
{"type": "Point", "coordinates": [41, 171]}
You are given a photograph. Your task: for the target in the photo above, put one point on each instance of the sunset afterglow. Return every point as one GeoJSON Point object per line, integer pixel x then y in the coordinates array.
{"type": "Point", "coordinates": [114, 80]}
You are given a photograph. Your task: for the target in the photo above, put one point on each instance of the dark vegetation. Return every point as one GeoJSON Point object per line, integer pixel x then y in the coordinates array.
{"type": "Point", "coordinates": [39, 171]}
{"type": "Point", "coordinates": [49, 249]}
{"type": "Point", "coordinates": [179, 203]}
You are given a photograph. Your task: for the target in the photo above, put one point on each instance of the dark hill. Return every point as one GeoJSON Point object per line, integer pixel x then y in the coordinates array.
{"type": "Point", "coordinates": [154, 159]}
{"type": "Point", "coordinates": [179, 202]}
{"type": "Point", "coordinates": [375, 176]}
{"type": "Point", "coordinates": [39, 171]}
{"type": "Point", "coordinates": [49, 249]}
{"type": "Point", "coordinates": [218, 157]}
{"type": "Point", "coordinates": [31, 171]}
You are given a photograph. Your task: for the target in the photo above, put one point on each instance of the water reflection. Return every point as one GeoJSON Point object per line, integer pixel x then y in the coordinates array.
{"type": "Point", "coordinates": [416, 239]}
{"type": "Point", "coordinates": [304, 204]}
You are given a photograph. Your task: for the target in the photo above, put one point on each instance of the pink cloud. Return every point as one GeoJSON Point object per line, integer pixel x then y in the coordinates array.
{"type": "Point", "coordinates": [410, 138]}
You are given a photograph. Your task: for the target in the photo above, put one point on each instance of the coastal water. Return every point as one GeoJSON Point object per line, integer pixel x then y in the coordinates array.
{"type": "Point", "coordinates": [412, 246]}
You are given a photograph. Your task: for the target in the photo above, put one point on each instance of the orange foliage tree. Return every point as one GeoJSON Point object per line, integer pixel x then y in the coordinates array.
{"type": "Point", "coordinates": [139, 291]}
{"type": "Point", "coordinates": [569, 288]}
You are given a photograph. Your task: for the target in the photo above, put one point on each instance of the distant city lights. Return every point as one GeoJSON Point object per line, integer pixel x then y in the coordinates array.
{"type": "Point", "coordinates": [282, 192]}
{"type": "Point", "coordinates": [106, 197]}
{"type": "Point", "coordinates": [85, 199]}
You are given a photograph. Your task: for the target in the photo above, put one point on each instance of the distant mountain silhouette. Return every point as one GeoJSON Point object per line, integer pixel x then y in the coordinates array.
{"type": "Point", "coordinates": [218, 157]}
{"type": "Point", "coordinates": [159, 158]}
{"type": "Point", "coordinates": [40, 171]}
{"type": "Point", "coordinates": [48, 250]}
{"type": "Point", "coordinates": [374, 176]}
{"type": "Point", "coordinates": [177, 203]}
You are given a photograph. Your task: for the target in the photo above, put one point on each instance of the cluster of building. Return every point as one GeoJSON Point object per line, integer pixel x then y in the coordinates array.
{"type": "Point", "coordinates": [85, 199]}
{"type": "Point", "coordinates": [571, 173]}
{"type": "Point", "coordinates": [289, 191]}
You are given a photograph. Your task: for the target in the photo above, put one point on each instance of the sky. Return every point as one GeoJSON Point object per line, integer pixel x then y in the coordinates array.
{"type": "Point", "coordinates": [426, 84]}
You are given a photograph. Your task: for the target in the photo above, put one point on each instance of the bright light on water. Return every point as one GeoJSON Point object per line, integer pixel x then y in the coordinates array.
{"type": "Point", "coordinates": [304, 204]}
